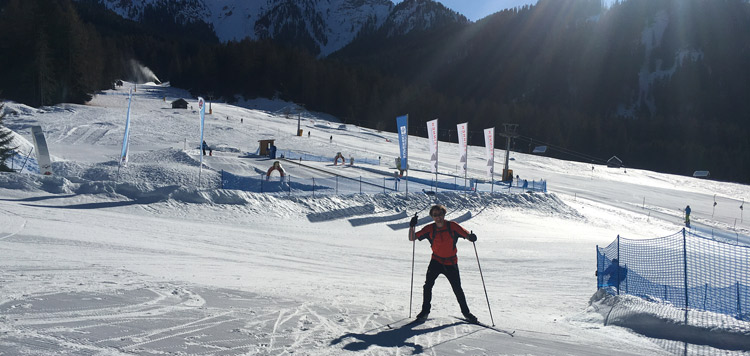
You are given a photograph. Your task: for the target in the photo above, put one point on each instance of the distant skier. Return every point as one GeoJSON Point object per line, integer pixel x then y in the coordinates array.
{"type": "Point", "coordinates": [330, 139]}
{"type": "Point", "coordinates": [687, 216]}
{"type": "Point", "coordinates": [205, 147]}
{"type": "Point", "coordinates": [443, 236]}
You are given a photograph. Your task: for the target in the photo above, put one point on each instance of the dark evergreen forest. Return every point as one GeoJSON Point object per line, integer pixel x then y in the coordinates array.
{"type": "Point", "coordinates": [573, 75]}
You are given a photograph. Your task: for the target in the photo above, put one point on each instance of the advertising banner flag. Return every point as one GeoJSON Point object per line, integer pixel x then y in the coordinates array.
{"type": "Point", "coordinates": [42, 152]}
{"type": "Point", "coordinates": [402, 123]}
{"type": "Point", "coordinates": [489, 144]}
{"type": "Point", "coordinates": [126, 136]}
{"type": "Point", "coordinates": [432, 133]}
{"type": "Point", "coordinates": [462, 147]}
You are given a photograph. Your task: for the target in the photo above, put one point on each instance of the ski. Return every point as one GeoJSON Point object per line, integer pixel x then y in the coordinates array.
{"type": "Point", "coordinates": [490, 327]}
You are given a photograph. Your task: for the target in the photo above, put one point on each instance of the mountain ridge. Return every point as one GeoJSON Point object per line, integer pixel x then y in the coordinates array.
{"type": "Point", "coordinates": [320, 26]}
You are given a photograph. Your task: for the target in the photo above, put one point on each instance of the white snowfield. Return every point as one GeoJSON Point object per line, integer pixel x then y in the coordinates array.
{"type": "Point", "coordinates": [150, 262]}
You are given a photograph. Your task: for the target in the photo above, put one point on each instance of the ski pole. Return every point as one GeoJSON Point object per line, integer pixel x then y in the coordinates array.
{"type": "Point", "coordinates": [485, 287]}
{"type": "Point", "coordinates": [411, 292]}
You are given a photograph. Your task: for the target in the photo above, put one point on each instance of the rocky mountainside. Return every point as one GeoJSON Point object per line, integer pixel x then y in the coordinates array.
{"type": "Point", "coordinates": [320, 26]}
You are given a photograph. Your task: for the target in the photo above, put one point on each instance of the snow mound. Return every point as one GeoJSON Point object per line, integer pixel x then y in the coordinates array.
{"type": "Point", "coordinates": [663, 321]}
{"type": "Point", "coordinates": [16, 109]}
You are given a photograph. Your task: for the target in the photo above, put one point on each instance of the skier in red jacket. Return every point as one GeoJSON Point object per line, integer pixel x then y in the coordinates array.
{"type": "Point", "coordinates": [443, 236]}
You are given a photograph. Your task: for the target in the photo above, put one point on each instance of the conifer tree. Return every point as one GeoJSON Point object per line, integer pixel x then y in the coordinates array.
{"type": "Point", "coordinates": [6, 151]}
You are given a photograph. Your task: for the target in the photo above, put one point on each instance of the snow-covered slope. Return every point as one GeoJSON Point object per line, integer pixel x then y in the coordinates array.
{"type": "Point", "coordinates": [152, 262]}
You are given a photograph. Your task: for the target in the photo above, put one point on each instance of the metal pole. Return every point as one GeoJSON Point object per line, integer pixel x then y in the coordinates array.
{"type": "Point", "coordinates": [26, 160]}
{"type": "Point", "coordinates": [598, 277]}
{"type": "Point", "coordinates": [485, 287]}
{"type": "Point", "coordinates": [684, 256]}
{"type": "Point", "coordinates": [739, 302]}
{"type": "Point", "coordinates": [492, 178]}
{"type": "Point", "coordinates": [618, 265]}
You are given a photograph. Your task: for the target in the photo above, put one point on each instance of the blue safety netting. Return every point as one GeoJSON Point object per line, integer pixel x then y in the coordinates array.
{"type": "Point", "coordinates": [685, 270]}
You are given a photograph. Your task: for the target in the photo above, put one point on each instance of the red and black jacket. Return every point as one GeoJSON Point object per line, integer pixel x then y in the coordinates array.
{"type": "Point", "coordinates": [443, 241]}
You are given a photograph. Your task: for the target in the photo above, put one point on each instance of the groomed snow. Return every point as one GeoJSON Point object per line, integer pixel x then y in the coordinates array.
{"type": "Point", "coordinates": [151, 262]}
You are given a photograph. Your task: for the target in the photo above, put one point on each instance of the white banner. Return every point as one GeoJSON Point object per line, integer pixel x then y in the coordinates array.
{"type": "Point", "coordinates": [462, 147]}
{"type": "Point", "coordinates": [489, 149]}
{"type": "Point", "coordinates": [432, 133]}
{"type": "Point", "coordinates": [42, 152]}
{"type": "Point", "coordinates": [126, 137]}
{"type": "Point", "coordinates": [202, 111]}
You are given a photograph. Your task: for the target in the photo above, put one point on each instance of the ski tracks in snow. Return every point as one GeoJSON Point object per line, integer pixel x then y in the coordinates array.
{"type": "Point", "coordinates": [172, 319]}
{"type": "Point", "coordinates": [12, 224]}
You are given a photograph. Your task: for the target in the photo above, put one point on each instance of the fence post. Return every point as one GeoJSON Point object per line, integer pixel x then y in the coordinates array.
{"type": "Point", "coordinates": [684, 256]}
{"type": "Point", "coordinates": [383, 185]}
{"type": "Point", "coordinates": [618, 265]}
{"type": "Point", "coordinates": [739, 302]}
{"type": "Point", "coordinates": [313, 187]}
{"type": "Point", "coordinates": [360, 184]}
{"type": "Point", "coordinates": [598, 275]}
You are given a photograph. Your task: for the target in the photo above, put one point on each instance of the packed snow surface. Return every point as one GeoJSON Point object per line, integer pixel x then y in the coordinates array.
{"type": "Point", "coordinates": [146, 259]}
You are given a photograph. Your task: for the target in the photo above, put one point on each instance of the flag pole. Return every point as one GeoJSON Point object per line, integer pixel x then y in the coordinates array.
{"type": "Point", "coordinates": [202, 110]}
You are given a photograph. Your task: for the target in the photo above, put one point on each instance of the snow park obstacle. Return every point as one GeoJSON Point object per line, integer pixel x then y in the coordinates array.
{"type": "Point", "coordinates": [276, 167]}
{"type": "Point", "coordinates": [336, 159]}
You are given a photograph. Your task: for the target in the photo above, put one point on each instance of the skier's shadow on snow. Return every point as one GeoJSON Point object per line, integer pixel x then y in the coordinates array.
{"type": "Point", "coordinates": [397, 337]}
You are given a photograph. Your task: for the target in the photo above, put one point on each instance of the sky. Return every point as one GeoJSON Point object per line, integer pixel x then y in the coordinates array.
{"type": "Point", "coordinates": [146, 260]}
{"type": "Point", "coordinates": [478, 9]}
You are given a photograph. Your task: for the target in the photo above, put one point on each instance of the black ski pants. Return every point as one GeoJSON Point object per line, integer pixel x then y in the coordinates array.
{"type": "Point", "coordinates": [434, 270]}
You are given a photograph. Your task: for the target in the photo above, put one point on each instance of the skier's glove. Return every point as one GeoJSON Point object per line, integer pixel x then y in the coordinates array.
{"type": "Point", "coordinates": [471, 237]}
{"type": "Point", "coordinates": [413, 221]}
